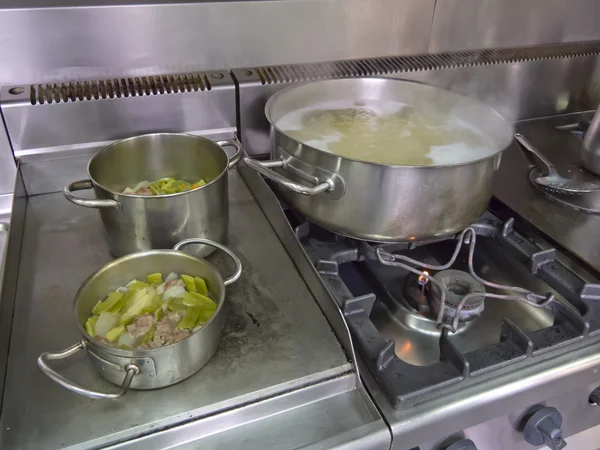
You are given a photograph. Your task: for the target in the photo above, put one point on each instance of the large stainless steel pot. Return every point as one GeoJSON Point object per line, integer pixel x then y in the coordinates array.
{"type": "Point", "coordinates": [145, 369]}
{"type": "Point", "coordinates": [135, 223]}
{"type": "Point", "coordinates": [381, 202]}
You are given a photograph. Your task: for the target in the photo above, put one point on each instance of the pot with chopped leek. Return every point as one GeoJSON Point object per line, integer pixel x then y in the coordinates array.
{"type": "Point", "coordinates": [155, 190]}
{"type": "Point", "coordinates": [149, 319]}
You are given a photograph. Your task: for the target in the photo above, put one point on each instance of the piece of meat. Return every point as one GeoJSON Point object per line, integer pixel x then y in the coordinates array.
{"type": "Point", "coordinates": [141, 325]}
{"type": "Point", "coordinates": [166, 328]}
{"type": "Point", "coordinates": [145, 191]}
{"type": "Point", "coordinates": [174, 282]}
{"type": "Point", "coordinates": [178, 335]}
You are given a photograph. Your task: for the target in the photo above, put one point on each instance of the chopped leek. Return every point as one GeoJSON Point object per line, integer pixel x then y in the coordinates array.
{"type": "Point", "coordinates": [105, 322]}
{"type": "Point", "coordinates": [137, 285]}
{"type": "Point", "coordinates": [155, 278]}
{"type": "Point", "coordinates": [114, 333]}
{"type": "Point", "coordinates": [141, 300]}
{"type": "Point", "coordinates": [110, 301]}
{"type": "Point", "coordinates": [158, 314]}
{"type": "Point", "coordinates": [190, 318]}
{"type": "Point", "coordinates": [90, 326]}
{"type": "Point", "coordinates": [189, 283]}
{"type": "Point", "coordinates": [206, 312]}
{"type": "Point", "coordinates": [176, 305]}
{"type": "Point", "coordinates": [195, 299]}
{"type": "Point", "coordinates": [201, 287]}
{"type": "Point", "coordinates": [153, 305]}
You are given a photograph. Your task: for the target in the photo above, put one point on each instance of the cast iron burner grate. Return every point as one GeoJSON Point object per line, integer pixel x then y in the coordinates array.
{"type": "Point", "coordinates": [343, 262]}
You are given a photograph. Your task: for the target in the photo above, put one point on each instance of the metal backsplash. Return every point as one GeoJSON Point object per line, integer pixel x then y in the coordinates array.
{"type": "Point", "coordinates": [55, 128]}
{"type": "Point", "coordinates": [520, 83]}
{"type": "Point", "coordinates": [475, 24]}
{"type": "Point", "coordinates": [77, 39]}
{"type": "Point", "coordinates": [100, 39]}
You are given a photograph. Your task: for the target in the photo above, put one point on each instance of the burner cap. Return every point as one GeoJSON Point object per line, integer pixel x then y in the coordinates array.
{"type": "Point", "coordinates": [458, 284]}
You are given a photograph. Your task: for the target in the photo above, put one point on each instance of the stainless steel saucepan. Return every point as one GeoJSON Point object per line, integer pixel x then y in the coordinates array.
{"type": "Point", "coordinates": [380, 202]}
{"type": "Point", "coordinates": [151, 368]}
{"type": "Point", "coordinates": [135, 223]}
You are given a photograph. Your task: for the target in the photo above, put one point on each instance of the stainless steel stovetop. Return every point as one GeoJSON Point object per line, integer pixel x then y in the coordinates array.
{"type": "Point", "coordinates": [438, 380]}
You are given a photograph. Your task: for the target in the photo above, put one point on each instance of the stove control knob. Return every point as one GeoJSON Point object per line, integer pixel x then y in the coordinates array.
{"type": "Point", "coordinates": [595, 397]}
{"type": "Point", "coordinates": [543, 428]}
{"type": "Point", "coordinates": [463, 444]}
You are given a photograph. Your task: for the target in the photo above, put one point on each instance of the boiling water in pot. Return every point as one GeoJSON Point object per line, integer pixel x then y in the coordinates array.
{"type": "Point", "coordinates": [386, 132]}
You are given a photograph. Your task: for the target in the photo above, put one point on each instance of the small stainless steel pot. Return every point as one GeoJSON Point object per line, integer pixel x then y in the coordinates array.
{"type": "Point", "coordinates": [135, 223]}
{"type": "Point", "coordinates": [382, 202]}
{"type": "Point", "coordinates": [154, 368]}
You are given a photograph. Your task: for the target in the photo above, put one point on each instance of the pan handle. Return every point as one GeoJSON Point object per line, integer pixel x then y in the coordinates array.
{"type": "Point", "coordinates": [239, 151]}
{"type": "Point", "coordinates": [238, 264]}
{"type": "Point", "coordinates": [263, 167]}
{"type": "Point", "coordinates": [87, 202]}
{"type": "Point", "coordinates": [131, 370]}
{"type": "Point", "coordinates": [534, 157]}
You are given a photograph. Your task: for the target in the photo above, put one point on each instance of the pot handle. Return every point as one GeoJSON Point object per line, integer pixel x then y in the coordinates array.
{"type": "Point", "coordinates": [87, 202]}
{"type": "Point", "coordinates": [263, 167]}
{"type": "Point", "coordinates": [238, 264]}
{"type": "Point", "coordinates": [239, 151]}
{"type": "Point", "coordinates": [131, 371]}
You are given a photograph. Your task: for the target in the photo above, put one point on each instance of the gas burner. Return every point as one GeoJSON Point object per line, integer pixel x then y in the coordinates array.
{"type": "Point", "coordinates": [415, 293]}
{"type": "Point", "coordinates": [450, 313]}
{"type": "Point", "coordinates": [458, 285]}
{"type": "Point", "coordinates": [416, 342]}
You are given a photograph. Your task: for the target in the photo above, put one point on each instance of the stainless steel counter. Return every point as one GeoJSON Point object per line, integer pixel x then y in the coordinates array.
{"type": "Point", "coordinates": [485, 410]}
{"type": "Point", "coordinates": [576, 231]}
{"type": "Point", "coordinates": [275, 341]}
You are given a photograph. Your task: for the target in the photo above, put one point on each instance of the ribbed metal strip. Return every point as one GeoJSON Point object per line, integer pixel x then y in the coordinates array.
{"type": "Point", "coordinates": [77, 91]}
{"type": "Point", "coordinates": [400, 64]}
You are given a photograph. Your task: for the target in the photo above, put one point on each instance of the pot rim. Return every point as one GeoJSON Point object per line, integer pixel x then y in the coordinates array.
{"type": "Point", "coordinates": [283, 91]}
{"type": "Point", "coordinates": [115, 351]}
{"type": "Point", "coordinates": [150, 197]}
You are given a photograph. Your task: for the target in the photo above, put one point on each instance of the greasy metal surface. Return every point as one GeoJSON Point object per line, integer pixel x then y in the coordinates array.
{"type": "Point", "coordinates": [98, 42]}
{"type": "Point", "coordinates": [329, 415]}
{"type": "Point", "coordinates": [475, 24]}
{"type": "Point", "coordinates": [518, 90]}
{"type": "Point", "coordinates": [275, 338]}
{"type": "Point", "coordinates": [576, 231]}
{"type": "Point", "coordinates": [271, 207]}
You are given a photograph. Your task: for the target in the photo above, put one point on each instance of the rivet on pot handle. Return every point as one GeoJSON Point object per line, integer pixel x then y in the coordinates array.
{"type": "Point", "coordinates": [239, 151]}
{"type": "Point", "coordinates": [263, 169]}
{"type": "Point", "coordinates": [87, 202]}
{"type": "Point", "coordinates": [131, 370]}
{"type": "Point", "coordinates": [238, 264]}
